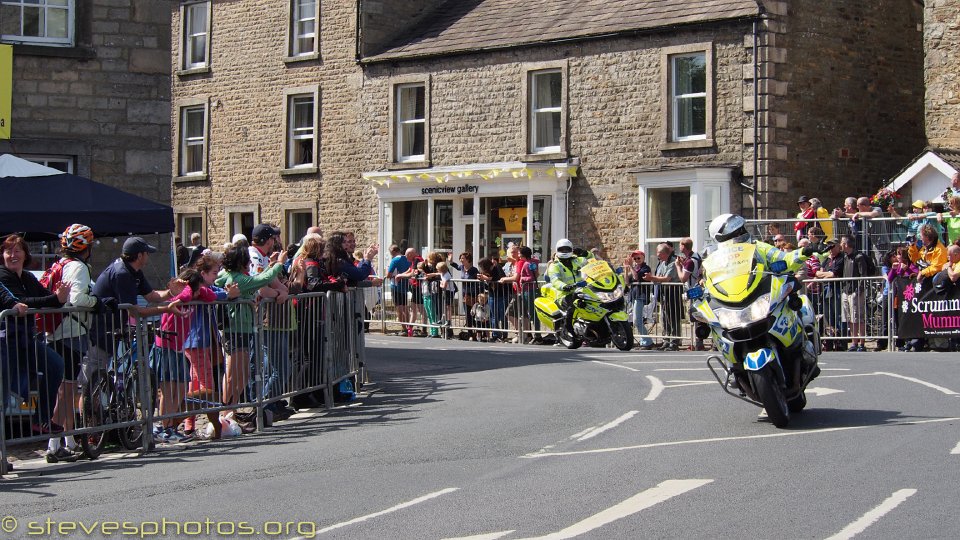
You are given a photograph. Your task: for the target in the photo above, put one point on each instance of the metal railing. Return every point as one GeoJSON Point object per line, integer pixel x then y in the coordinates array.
{"type": "Point", "coordinates": [219, 356]}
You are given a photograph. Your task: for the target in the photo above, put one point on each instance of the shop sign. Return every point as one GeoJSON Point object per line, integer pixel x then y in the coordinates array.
{"type": "Point", "coordinates": [928, 312]}
{"type": "Point", "coordinates": [450, 190]}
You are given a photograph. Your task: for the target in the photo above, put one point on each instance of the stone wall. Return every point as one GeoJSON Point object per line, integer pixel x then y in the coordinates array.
{"type": "Point", "coordinates": [614, 127]}
{"type": "Point", "coordinates": [941, 38]}
{"type": "Point", "coordinates": [844, 98]}
{"type": "Point", "coordinates": [104, 102]}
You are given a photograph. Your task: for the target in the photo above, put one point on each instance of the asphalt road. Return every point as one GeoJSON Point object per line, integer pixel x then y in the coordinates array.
{"type": "Point", "coordinates": [458, 440]}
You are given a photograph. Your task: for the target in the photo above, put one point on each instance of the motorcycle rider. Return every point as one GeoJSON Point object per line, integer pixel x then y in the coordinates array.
{"type": "Point", "coordinates": [562, 275]}
{"type": "Point", "coordinates": [731, 227]}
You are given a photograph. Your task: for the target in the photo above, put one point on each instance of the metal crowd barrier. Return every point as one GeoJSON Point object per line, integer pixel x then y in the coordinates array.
{"type": "Point", "coordinates": [853, 309]}
{"type": "Point", "coordinates": [223, 355]}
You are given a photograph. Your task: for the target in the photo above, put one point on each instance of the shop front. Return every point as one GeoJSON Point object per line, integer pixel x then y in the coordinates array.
{"type": "Point", "coordinates": [478, 208]}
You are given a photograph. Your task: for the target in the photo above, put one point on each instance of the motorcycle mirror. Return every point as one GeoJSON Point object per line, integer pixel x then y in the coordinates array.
{"type": "Point", "coordinates": [695, 293]}
{"type": "Point", "coordinates": [778, 267]}
{"type": "Point", "coordinates": [581, 284]}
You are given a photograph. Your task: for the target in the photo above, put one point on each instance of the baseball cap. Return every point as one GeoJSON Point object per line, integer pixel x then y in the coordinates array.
{"type": "Point", "coordinates": [136, 245]}
{"type": "Point", "coordinates": [919, 203]}
{"type": "Point", "coordinates": [803, 198]}
{"type": "Point", "coordinates": [832, 242]}
{"type": "Point", "coordinates": [638, 252]}
{"type": "Point", "coordinates": [264, 232]}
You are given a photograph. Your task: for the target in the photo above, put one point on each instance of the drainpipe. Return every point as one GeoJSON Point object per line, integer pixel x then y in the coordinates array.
{"type": "Point", "coordinates": [756, 116]}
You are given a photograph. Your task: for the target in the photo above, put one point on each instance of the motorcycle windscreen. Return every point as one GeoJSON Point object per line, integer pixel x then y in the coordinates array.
{"type": "Point", "coordinates": [600, 273]}
{"type": "Point", "coordinates": [730, 271]}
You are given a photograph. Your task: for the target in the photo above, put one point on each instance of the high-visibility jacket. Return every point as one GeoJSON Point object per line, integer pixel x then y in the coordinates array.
{"type": "Point", "coordinates": [559, 274]}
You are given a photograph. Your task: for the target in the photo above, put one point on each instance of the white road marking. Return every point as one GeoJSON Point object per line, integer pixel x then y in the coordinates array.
{"type": "Point", "coordinates": [614, 365]}
{"type": "Point", "coordinates": [847, 376]}
{"type": "Point", "coordinates": [835, 369]}
{"type": "Point", "coordinates": [823, 391]}
{"type": "Point", "coordinates": [656, 386]}
{"type": "Point", "coordinates": [684, 369]}
{"type": "Point", "coordinates": [610, 425]}
{"type": "Point", "coordinates": [488, 536]}
{"type": "Point", "coordinates": [392, 509]}
{"type": "Point", "coordinates": [643, 500]}
{"type": "Point", "coordinates": [741, 438]}
{"type": "Point", "coordinates": [688, 383]}
{"type": "Point", "coordinates": [956, 449]}
{"type": "Point", "coordinates": [918, 381]}
{"type": "Point", "coordinates": [872, 516]}
{"type": "Point", "coordinates": [645, 362]}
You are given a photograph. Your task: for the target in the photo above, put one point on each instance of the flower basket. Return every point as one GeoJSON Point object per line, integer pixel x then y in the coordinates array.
{"type": "Point", "coordinates": [884, 198]}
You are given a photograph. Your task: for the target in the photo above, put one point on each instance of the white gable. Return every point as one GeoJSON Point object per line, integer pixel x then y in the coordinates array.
{"type": "Point", "coordinates": [925, 179]}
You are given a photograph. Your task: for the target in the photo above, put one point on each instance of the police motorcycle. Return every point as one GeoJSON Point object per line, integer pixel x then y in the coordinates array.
{"type": "Point", "coordinates": [765, 330]}
{"type": "Point", "coordinates": [599, 315]}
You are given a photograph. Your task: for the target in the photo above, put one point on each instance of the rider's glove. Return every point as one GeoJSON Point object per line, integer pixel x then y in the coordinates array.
{"type": "Point", "coordinates": [568, 288]}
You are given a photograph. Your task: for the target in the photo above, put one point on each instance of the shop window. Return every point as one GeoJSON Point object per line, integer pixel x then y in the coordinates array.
{"type": "Point", "coordinates": [410, 129]}
{"type": "Point", "coordinates": [443, 226]}
{"type": "Point", "coordinates": [409, 224]}
{"type": "Point", "coordinates": [301, 131]}
{"type": "Point", "coordinates": [38, 22]}
{"type": "Point", "coordinates": [546, 111]}
{"type": "Point", "coordinates": [303, 28]}
{"type": "Point", "coordinates": [193, 140]}
{"type": "Point", "coordinates": [196, 36]}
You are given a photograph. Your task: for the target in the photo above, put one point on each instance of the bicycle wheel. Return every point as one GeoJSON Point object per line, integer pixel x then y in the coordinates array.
{"type": "Point", "coordinates": [95, 413]}
{"type": "Point", "coordinates": [130, 407]}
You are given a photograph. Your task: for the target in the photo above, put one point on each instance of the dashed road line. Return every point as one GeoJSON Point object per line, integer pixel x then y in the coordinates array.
{"type": "Point", "coordinates": [956, 449]}
{"type": "Point", "coordinates": [608, 426]}
{"type": "Point", "coordinates": [611, 364]}
{"type": "Point", "coordinates": [390, 510]}
{"type": "Point", "coordinates": [918, 381]}
{"type": "Point", "coordinates": [656, 387]}
{"type": "Point", "coordinates": [872, 516]}
{"type": "Point", "coordinates": [641, 501]}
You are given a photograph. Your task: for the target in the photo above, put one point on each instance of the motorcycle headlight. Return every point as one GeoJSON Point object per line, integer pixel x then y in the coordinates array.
{"type": "Point", "coordinates": [611, 296]}
{"type": "Point", "coordinates": [735, 318]}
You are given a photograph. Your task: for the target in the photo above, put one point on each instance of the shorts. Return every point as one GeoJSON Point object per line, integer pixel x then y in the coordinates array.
{"type": "Point", "coordinates": [169, 365]}
{"type": "Point", "coordinates": [72, 351]}
{"type": "Point", "coordinates": [237, 342]}
{"type": "Point", "coordinates": [448, 298]}
{"type": "Point", "coordinates": [851, 306]}
{"type": "Point", "coordinates": [399, 295]}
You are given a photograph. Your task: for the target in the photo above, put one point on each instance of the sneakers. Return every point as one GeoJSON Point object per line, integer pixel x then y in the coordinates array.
{"type": "Point", "coordinates": [62, 455]}
{"type": "Point", "coordinates": [173, 436]}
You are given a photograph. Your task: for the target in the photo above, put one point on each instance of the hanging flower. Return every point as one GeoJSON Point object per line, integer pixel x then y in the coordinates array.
{"type": "Point", "coordinates": [884, 198]}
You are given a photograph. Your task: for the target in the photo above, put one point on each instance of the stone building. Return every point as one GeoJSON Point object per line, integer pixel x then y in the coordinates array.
{"type": "Point", "coordinates": [91, 90]}
{"type": "Point", "coordinates": [461, 126]}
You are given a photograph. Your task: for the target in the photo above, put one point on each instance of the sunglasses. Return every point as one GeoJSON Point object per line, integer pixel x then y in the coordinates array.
{"type": "Point", "coordinates": [565, 250]}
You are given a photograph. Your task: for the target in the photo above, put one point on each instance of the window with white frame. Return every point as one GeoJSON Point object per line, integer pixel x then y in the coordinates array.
{"type": "Point", "coordinates": [298, 221]}
{"type": "Point", "coordinates": [411, 122]}
{"type": "Point", "coordinates": [303, 28]}
{"type": "Point", "coordinates": [193, 140]}
{"type": "Point", "coordinates": [546, 111]}
{"type": "Point", "coordinates": [60, 163]}
{"type": "Point", "coordinates": [189, 224]}
{"type": "Point", "coordinates": [38, 22]}
{"type": "Point", "coordinates": [240, 223]}
{"type": "Point", "coordinates": [301, 131]}
{"type": "Point", "coordinates": [196, 35]}
{"type": "Point", "coordinates": [688, 95]}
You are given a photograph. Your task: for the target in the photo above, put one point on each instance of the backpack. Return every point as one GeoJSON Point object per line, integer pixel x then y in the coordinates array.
{"type": "Point", "coordinates": [869, 266]}
{"type": "Point", "coordinates": [697, 269]}
{"type": "Point", "coordinates": [50, 280]}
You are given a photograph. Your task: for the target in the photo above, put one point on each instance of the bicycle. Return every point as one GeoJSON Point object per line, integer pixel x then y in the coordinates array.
{"type": "Point", "coordinates": [114, 397]}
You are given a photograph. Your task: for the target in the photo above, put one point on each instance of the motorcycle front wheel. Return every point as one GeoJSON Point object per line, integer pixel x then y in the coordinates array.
{"type": "Point", "coordinates": [621, 334]}
{"type": "Point", "coordinates": [771, 395]}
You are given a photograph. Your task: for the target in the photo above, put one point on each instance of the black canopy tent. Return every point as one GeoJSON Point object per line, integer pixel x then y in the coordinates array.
{"type": "Point", "coordinates": [43, 206]}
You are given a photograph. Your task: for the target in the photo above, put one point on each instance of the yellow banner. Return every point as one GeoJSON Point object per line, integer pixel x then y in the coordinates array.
{"type": "Point", "coordinates": [6, 89]}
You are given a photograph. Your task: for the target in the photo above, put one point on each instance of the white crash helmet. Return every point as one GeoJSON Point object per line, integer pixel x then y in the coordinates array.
{"type": "Point", "coordinates": [564, 248]}
{"type": "Point", "coordinates": [729, 227]}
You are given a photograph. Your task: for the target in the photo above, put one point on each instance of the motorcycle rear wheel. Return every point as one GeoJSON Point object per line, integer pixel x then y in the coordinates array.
{"type": "Point", "coordinates": [621, 334]}
{"type": "Point", "coordinates": [771, 395]}
{"type": "Point", "coordinates": [569, 341]}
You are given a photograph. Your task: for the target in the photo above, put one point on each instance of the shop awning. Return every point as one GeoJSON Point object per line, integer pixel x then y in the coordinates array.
{"type": "Point", "coordinates": [493, 172]}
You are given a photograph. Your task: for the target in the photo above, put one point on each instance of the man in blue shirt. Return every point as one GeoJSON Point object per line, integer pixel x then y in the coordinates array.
{"type": "Point", "coordinates": [400, 263]}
